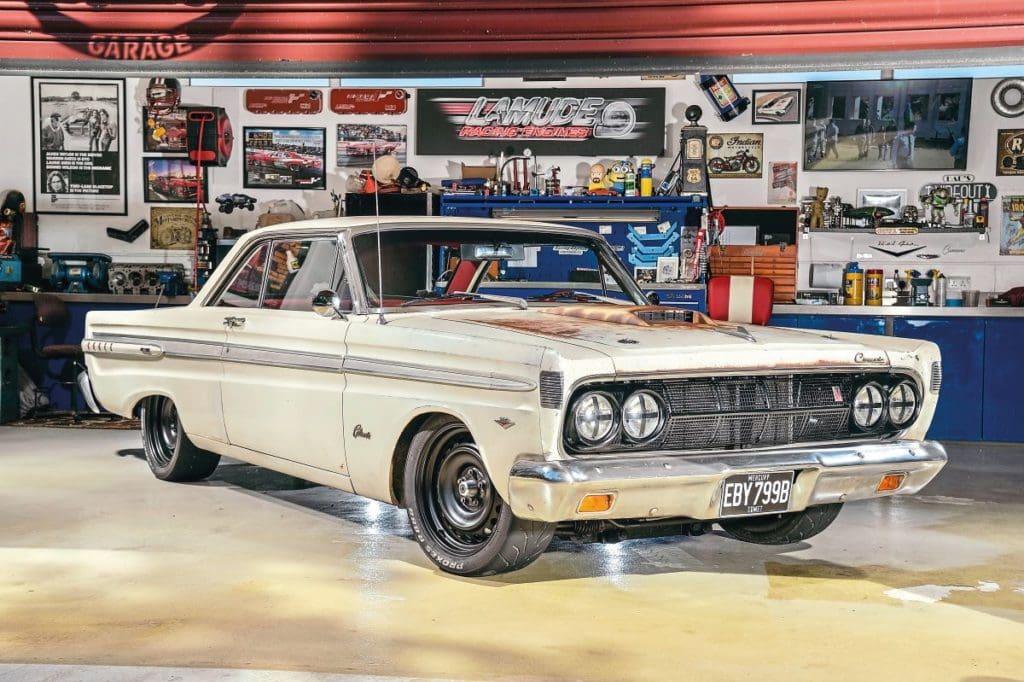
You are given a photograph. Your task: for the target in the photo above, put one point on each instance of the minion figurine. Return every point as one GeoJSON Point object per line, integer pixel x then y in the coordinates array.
{"type": "Point", "coordinates": [615, 178]}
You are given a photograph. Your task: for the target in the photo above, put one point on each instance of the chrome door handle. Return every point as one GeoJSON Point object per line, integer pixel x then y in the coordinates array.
{"type": "Point", "coordinates": [234, 322]}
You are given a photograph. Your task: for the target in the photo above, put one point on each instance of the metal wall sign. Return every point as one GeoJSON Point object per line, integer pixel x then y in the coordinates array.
{"type": "Point", "coordinates": [570, 121]}
{"type": "Point", "coordinates": [958, 191]}
{"type": "Point", "coordinates": [369, 101]}
{"type": "Point", "coordinates": [1010, 152]}
{"type": "Point", "coordinates": [284, 101]}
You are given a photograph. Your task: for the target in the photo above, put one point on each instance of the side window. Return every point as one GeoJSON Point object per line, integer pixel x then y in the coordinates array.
{"type": "Point", "coordinates": [244, 289]}
{"type": "Point", "coordinates": [300, 268]}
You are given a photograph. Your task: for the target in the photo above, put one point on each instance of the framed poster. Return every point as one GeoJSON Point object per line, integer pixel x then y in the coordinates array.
{"type": "Point", "coordinates": [172, 228]}
{"type": "Point", "coordinates": [1010, 152]}
{"type": "Point", "coordinates": [776, 106]}
{"type": "Point", "coordinates": [171, 180]}
{"type": "Point", "coordinates": [782, 182]}
{"type": "Point", "coordinates": [78, 160]}
{"type": "Point", "coordinates": [735, 155]}
{"type": "Point", "coordinates": [887, 125]}
{"type": "Point", "coordinates": [615, 122]}
{"type": "Point", "coordinates": [164, 133]}
{"type": "Point", "coordinates": [285, 158]}
{"type": "Point", "coordinates": [1011, 241]}
{"type": "Point", "coordinates": [358, 143]}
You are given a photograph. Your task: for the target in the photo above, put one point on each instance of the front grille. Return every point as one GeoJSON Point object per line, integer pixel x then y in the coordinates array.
{"type": "Point", "coordinates": [936, 376]}
{"type": "Point", "coordinates": [551, 389]}
{"type": "Point", "coordinates": [732, 413]}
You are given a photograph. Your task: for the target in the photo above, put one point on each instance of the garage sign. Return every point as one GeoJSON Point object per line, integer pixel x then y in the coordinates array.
{"type": "Point", "coordinates": [577, 122]}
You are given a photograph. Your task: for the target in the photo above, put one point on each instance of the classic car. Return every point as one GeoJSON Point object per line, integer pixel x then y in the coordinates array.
{"type": "Point", "coordinates": [283, 160]}
{"type": "Point", "coordinates": [504, 410]}
{"type": "Point", "coordinates": [179, 187]}
{"type": "Point", "coordinates": [367, 148]}
{"type": "Point", "coordinates": [776, 107]}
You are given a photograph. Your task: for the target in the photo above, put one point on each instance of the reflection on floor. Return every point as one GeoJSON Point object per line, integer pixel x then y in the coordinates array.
{"type": "Point", "coordinates": [102, 565]}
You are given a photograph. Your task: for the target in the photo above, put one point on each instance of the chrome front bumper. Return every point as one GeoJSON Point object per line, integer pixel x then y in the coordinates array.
{"type": "Point", "coordinates": [662, 484]}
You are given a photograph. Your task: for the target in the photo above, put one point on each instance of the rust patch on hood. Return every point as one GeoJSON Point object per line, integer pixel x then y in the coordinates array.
{"type": "Point", "coordinates": [549, 327]}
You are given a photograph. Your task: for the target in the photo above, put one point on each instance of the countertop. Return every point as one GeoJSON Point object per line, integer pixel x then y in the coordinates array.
{"type": "Point", "coordinates": [897, 311]}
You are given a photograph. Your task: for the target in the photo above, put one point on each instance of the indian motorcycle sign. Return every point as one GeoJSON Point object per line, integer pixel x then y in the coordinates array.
{"type": "Point", "coordinates": [577, 122]}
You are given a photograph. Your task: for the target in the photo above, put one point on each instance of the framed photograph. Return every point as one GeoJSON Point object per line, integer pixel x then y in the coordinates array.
{"type": "Point", "coordinates": [78, 159]}
{"type": "Point", "coordinates": [285, 158]}
{"type": "Point", "coordinates": [1010, 152]}
{"type": "Point", "coordinates": [172, 228]}
{"type": "Point", "coordinates": [359, 143]}
{"type": "Point", "coordinates": [887, 125]}
{"type": "Point", "coordinates": [735, 155]}
{"type": "Point", "coordinates": [171, 181]}
{"type": "Point", "coordinates": [164, 133]}
{"type": "Point", "coordinates": [775, 106]}
{"type": "Point", "coordinates": [894, 199]}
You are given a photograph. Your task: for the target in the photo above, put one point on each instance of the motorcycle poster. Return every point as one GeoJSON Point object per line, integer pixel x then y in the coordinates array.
{"type": "Point", "coordinates": [735, 155]}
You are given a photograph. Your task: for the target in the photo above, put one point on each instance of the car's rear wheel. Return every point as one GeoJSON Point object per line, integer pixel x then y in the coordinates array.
{"type": "Point", "coordinates": [782, 529]}
{"type": "Point", "coordinates": [458, 518]}
{"type": "Point", "coordinates": [169, 452]}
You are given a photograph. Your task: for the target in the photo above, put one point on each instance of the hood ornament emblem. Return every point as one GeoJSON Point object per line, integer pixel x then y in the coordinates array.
{"type": "Point", "coordinates": [505, 423]}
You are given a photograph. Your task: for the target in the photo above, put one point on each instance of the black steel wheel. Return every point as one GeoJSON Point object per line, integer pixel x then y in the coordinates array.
{"type": "Point", "coordinates": [457, 516]}
{"type": "Point", "coordinates": [782, 529]}
{"type": "Point", "coordinates": [169, 452]}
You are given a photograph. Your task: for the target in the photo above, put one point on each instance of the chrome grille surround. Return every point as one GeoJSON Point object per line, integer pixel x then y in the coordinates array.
{"type": "Point", "coordinates": [753, 411]}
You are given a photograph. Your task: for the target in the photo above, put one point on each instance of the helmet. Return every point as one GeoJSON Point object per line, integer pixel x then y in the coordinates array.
{"type": "Point", "coordinates": [163, 95]}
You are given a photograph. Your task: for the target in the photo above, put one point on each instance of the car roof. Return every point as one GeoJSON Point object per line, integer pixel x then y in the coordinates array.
{"type": "Point", "coordinates": [362, 224]}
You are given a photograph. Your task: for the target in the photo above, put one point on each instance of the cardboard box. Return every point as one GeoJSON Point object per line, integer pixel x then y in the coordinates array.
{"type": "Point", "coordinates": [485, 172]}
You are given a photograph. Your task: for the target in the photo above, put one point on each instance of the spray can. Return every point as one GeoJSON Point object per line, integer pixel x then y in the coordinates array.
{"type": "Point", "coordinates": [873, 287]}
{"type": "Point", "coordinates": [646, 178]}
{"type": "Point", "coordinates": [853, 285]}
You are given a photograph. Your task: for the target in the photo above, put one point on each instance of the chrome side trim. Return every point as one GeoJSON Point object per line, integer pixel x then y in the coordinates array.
{"type": "Point", "coordinates": [392, 370]}
{"type": "Point", "coordinates": [289, 359]}
{"type": "Point", "coordinates": [142, 350]}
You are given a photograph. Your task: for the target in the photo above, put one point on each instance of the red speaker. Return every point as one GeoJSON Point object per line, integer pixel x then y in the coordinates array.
{"type": "Point", "coordinates": [209, 136]}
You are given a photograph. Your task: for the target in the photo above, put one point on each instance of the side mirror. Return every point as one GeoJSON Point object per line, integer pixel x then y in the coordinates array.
{"type": "Point", "coordinates": [327, 303]}
{"type": "Point", "coordinates": [653, 297]}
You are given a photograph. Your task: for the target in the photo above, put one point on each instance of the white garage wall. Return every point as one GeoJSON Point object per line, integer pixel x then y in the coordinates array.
{"type": "Point", "coordinates": [979, 259]}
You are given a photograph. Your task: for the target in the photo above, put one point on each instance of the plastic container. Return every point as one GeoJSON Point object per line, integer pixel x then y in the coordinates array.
{"type": "Point", "coordinates": [646, 178]}
{"type": "Point", "coordinates": [873, 280]}
{"type": "Point", "coordinates": [853, 285]}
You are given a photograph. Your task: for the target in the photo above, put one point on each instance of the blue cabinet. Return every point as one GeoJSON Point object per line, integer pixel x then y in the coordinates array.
{"type": "Point", "coordinates": [962, 342]}
{"type": "Point", "coordinates": [1003, 418]}
{"type": "Point", "coordinates": [857, 324]}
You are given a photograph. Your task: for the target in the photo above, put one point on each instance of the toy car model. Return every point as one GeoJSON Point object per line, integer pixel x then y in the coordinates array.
{"type": "Point", "coordinates": [230, 201]}
{"type": "Point", "coordinates": [500, 412]}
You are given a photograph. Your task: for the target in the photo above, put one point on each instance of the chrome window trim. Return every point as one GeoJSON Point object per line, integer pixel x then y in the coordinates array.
{"type": "Point", "coordinates": [213, 300]}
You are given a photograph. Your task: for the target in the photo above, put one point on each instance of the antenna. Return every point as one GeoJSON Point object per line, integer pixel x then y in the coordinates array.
{"type": "Point", "coordinates": [380, 265]}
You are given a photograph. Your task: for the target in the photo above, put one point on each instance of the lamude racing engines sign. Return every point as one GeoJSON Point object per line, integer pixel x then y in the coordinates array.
{"type": "Point", "coordinates": [578, 122]}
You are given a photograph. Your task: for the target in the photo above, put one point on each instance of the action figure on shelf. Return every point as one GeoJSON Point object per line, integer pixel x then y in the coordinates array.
{"type": "Point", "coordinates": [938, 198]}
{"type": "Point", "coordinates": [910, 214]}
{"type": "Point", "coordinates": [818, 208]}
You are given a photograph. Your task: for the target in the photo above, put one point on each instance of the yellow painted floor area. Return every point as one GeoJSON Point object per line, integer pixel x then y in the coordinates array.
{"type": "Point", "coordinates": [101, 564]}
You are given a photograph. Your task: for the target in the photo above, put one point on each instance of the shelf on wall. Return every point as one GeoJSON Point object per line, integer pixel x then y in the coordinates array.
{"type": "Point", "coordinates": [920, 230]}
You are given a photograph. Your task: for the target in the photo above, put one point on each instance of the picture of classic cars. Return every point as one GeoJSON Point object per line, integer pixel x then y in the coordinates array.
{"type": "Point", "coordinates": [359, 144]}
{"type": "Point", "coordinates": [456, 381]}
{"type": "Point", "coordinates": [285, 158]}
{"type": "Point", "coordinates": [776, 106]}
{"type": "Point", "coordinates": [171, 180]}
{"type": "Point", "coordinates": [165, 132]}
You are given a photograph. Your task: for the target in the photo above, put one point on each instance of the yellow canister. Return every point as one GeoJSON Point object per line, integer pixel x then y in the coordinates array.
{"type": "Point", "coordinates": [873, 280]}
{"type": "Point", "coordinates": [853, 285]}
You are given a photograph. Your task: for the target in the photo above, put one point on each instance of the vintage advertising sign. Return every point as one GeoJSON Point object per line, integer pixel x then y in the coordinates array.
{"type": "Point", "coordinates": [959, 191]}
{"type": "Point", "coordinates": [573, 121]}
{"type": "Point", "coordinates": [284, 101]}
{"type": "Point", "coordinates": [172, 228]}
{"type": "Point", "coordinates": [1011, 242]}
{"type": "Point", "coordinates": [369, 101]}
{"type": "Point", "coordinates": [1010, 152]}
{"type": "Point", "coordinates": [77, 151]}
{"type": "Point", "coordinates": [782, 185]}
{"type": "Point", "coordinates": [735, 155]}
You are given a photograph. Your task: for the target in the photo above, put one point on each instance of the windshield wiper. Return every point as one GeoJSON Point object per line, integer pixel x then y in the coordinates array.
{"type": "Point", "coordinates": [602, 299]}
{"type": "Point", "coordinates": [513, 300]}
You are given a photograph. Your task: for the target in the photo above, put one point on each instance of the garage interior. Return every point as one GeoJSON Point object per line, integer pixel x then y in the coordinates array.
{"type": "Point", "coordinates": [111, 574]}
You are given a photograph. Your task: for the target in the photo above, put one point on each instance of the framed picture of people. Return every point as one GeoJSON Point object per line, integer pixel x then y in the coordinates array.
{"type": "Point", "coordinates": [78, 152]}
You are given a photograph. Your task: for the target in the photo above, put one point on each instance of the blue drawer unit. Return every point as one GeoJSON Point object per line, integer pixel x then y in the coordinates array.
{"type": "Point", "coordinates": [695, 299]}
{"type": "Point", "coordinates": [1004, 380]}
{"type": "Point", "coordinates": [857, 324]}
{"type": "Point", "coordinates": [961, 340]}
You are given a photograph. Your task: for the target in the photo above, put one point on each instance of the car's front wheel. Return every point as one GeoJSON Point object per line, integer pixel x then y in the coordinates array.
{"type": "Point", "coordinates": [458, 518]}
{"type": "Point", "coordinates": [782, 529]}
{"type": "Point", "coordinates": [169, 452]}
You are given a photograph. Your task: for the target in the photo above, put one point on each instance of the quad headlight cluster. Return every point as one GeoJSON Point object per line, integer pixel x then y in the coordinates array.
{"type": "Point", "coordinates": [875, 405]}
{"type": "Point", "coordinates": [598, 417]}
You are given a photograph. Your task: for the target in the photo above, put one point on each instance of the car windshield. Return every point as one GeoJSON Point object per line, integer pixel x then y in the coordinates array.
{"type": "Point", "coordinates": [423, 267]}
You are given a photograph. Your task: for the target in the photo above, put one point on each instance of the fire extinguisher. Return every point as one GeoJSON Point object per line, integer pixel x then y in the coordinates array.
{"type": "Point", "coordinates": [723, 95]}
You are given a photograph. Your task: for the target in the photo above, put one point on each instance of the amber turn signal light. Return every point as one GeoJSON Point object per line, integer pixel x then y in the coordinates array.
{"type": "Point", "coordinates": [596, 502]}
{"type": "Point", "coordinates": [891, 482]}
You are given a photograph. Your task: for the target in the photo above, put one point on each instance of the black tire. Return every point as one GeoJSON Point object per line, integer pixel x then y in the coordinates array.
{"type": "Point", "coordinates": [169, 452]}
{"type": "Point", "coordinates": [782, 529]}
{"type": "Point", "coordinates": [458, 518]}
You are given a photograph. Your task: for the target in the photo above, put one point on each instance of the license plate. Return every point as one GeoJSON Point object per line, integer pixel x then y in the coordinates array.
{"type": "Point", "coordinates": [763, 493]}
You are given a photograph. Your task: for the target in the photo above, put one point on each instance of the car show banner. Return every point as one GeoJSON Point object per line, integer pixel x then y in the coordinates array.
{"type": "Point", "coordinates": [78, 161]}
{"type": "Point", "coordinates": [571, 121]}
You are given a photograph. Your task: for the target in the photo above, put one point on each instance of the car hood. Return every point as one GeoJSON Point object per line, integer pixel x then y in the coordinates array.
{"type": "Point", "coordinates": [659, 339]}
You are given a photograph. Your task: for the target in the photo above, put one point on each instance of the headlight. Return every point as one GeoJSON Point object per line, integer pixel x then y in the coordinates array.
{"type": "Point", "coordinates": [902, 403]}
{"type": "Point", "coordinates": [642, 416]}
{"type": "Point", "coordinates": [867, 406]}
{"type": "Point", "coordinates": [594, 417]}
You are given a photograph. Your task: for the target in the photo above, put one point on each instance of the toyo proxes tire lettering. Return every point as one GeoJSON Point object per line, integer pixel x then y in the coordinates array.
{"type": "Point", "coordinates": [1008, 97]}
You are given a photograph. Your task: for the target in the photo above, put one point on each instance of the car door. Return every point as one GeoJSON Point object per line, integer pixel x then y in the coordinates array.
{"type": "Point", "coordinates": [283, 384]}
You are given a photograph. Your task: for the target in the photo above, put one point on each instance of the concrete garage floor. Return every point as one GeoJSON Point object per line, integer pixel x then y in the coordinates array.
{"type": "Point", "coordinates": [102, 565]}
